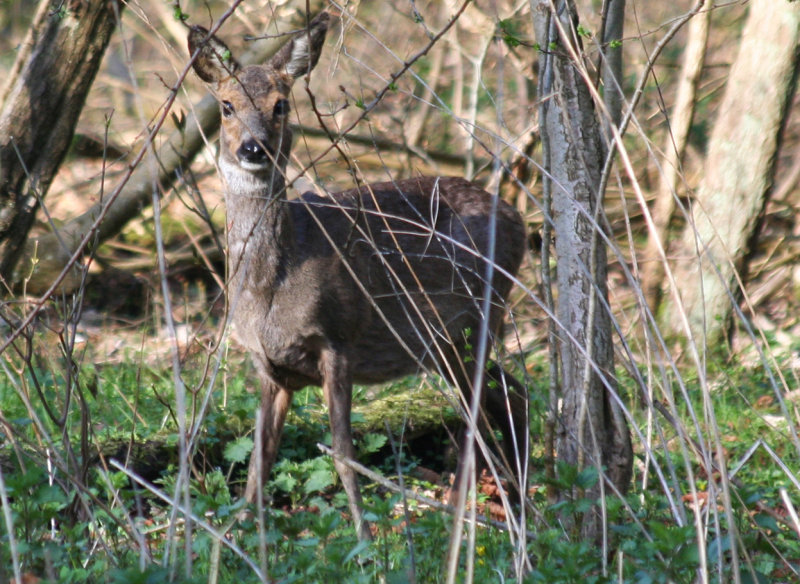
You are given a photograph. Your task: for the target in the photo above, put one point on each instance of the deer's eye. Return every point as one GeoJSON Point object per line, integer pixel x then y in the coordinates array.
{"type": "Point", "coordinates": [227, 109]}
{"type": "Point", "coordinates": [281, 107]}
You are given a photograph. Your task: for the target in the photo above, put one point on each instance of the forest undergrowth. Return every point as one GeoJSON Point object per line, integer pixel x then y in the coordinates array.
{"type": "Point", "coordinates": [127, 409]}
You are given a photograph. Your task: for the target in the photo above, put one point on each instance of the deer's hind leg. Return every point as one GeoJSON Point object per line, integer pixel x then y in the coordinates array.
{"type": "Point", "coordinates": [459, 370]}
{"type": "Point", "coordinates": [504, 404]}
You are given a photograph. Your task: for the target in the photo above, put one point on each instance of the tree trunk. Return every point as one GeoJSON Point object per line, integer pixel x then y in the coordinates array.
{"type": "Point", "coordinates": [739, 168]}
{"type": "Point", "coordinates": [652, 267]}
{"type": "Point", "coordinates": [591, 430]}
{"type": "Point", "coordinates": [41, 104]}
{"type": "Point", "coordinates": [611, 66]}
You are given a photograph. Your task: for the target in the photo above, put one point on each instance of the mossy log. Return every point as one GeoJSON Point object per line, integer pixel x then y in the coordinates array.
{"type": "Point", "coordinates": [421, 416]}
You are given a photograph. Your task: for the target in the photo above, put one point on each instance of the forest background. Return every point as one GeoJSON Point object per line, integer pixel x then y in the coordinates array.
{"type": "Point", "coordinates": [113, 350]}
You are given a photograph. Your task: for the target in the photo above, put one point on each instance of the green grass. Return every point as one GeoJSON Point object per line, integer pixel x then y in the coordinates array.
{"type": "Point", "coordinates": [85, 521]}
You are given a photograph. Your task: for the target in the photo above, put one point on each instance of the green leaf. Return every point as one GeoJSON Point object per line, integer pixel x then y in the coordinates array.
{"type": "Point", "coordinates": [583, 505]}
{"type": "Point", "coordinates": [285, 482]}
{"type": "Point", "coordinates": [587, 478]}
{"type": "Point", "coordinates": [689, 555]}
{"type": "Point", "coordinates": [318, 480]}
{"type": "Point", "coordinates": [360, 547]}
{"type": "Point", "coordinates": [767, 522]}
{"type": "Point", "coordinates": [179, 14]}
{"type": "Point", "coordinates": [373, 442]}
{"type": "Point", "coordinates": [49, 494]}
{"type": "Point", "coordinates": [238, 450]}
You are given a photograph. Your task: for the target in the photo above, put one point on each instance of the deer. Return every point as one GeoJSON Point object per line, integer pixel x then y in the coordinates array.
{"type": "Point", "coordinates": [361, 286]}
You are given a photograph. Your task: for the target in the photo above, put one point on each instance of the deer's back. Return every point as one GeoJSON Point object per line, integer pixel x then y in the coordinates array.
{"type": "Point", "coordinates": [418, 248]}
{"type": "Point", "coordinates": [415, 221]}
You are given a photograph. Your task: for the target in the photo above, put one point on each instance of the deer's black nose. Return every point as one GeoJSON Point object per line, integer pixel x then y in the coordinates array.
{"type": "Point", "coordinates": [253, 152]}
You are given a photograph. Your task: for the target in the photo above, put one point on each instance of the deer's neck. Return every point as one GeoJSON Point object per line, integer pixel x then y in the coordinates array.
{"type": "Point", "coordinates": [261, 244]}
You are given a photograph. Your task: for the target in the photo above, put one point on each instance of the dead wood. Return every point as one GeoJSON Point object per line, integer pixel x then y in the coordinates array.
{"type": "Point", "coordinates": [41, 103]}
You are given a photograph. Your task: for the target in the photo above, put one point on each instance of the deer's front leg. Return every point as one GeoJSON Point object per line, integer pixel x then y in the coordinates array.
{"type": "Point", "coordinates": [338, 389]}
{"type": "Point", "coordinates": [275, 402]}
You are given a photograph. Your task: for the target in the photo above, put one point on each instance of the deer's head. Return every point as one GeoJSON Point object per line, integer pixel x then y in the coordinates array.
{"type": "Point", "coordinates": [255, 137]}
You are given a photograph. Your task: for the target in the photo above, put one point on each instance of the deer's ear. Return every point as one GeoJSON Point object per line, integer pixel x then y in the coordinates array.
{"type": "Point", "coordinates": [300, 55]}
{"type": "Point", "coordinates": [214, 60]}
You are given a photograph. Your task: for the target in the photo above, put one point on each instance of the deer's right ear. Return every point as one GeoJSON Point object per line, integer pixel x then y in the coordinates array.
{"type": "Point", "coordinates": [214, 60]}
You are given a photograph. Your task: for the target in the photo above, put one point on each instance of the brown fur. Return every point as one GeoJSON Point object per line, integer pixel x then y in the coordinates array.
{"type": "Point", "coordinates": [361, 286]}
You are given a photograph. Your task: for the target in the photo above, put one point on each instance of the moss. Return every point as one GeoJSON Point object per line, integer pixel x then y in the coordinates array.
{"type": "Point", "coordinates": [415, 411]}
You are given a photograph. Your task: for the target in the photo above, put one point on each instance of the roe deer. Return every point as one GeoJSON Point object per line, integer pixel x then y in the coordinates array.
{"type": "Point", "coordinates": [361, 286]}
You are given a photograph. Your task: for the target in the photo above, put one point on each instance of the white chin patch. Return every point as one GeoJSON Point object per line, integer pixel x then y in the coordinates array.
{"type": "Point", "coordinates": [254, 166]}
{"type": "Point", "coordinates": [243, 177]}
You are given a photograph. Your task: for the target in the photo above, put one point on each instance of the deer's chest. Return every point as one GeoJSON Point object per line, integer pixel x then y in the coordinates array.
{"type": "Point", "coordinates": [286, 334]}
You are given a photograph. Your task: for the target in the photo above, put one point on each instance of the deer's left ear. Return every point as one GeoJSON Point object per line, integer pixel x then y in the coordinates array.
{"type": "Point", "coordinates": [214, 60]}
{"type": "Point", "coordinates": [300, 55]}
